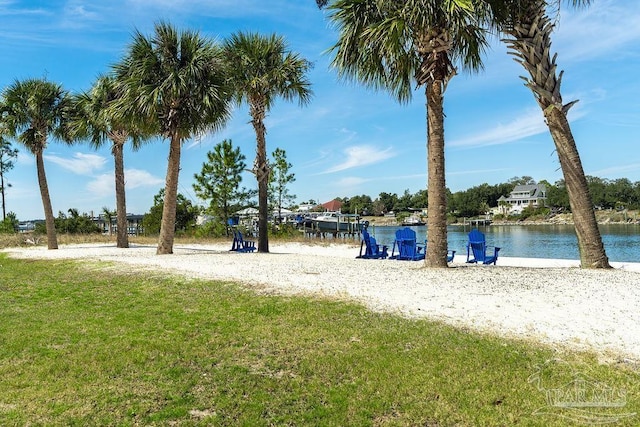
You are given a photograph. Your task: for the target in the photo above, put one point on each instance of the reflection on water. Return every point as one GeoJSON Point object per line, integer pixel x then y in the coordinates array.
{"type": "Point", "coordinates": [621, 241]}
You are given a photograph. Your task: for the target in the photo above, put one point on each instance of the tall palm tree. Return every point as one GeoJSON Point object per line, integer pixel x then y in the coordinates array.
{"type": "Point", "coordinates": [32, 110]}
{"type": "Point", "coordinates": [528, 31]}
{"type": "Point", "coordinates": [393, 44]}
{"type": "Point", "coordinates": [261, 69]}
{"type": "Point", "coordinates": [176, 82]}
{"type": "Point", "coordinates": [95, 121]}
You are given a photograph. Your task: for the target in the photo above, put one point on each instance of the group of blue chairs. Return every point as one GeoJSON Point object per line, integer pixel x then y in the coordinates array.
{"type": "Point", "coordinates": [407, 248]}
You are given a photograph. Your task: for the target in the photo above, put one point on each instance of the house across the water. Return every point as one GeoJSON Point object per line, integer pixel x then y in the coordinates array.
{"type": "Point", "coordinates": [522, 196]}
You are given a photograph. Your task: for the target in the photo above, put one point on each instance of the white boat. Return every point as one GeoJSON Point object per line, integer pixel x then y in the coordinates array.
{"type": "Point", "coordinates": [336, 222]}
{"type": "Point", "coordinates": [413, 220]}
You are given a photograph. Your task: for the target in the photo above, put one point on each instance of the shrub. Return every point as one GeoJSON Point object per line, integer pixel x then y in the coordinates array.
{"type": "Point", "coordinates": [534, 213]}
{"type": "Point", "coordinates": [283, 230]}
{"type": "Point", "coordinates": [211, 229]}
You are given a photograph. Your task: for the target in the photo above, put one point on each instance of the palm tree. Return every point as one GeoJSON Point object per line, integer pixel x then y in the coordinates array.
{"type": "Point", "coordinates": [528, 30]}
{"type": "Point", "coordinates": [392, 45]}
{"type": "Point", "coordinates": [33, 109]}
{"type": "Point", "coordinates": [108, 218]}
{"type": "Point", "coordinates": [95, 121]}
{"type": "Point", "coordinates": [260, 70]}
{"type": "Point", "coordinates": [175, 81]}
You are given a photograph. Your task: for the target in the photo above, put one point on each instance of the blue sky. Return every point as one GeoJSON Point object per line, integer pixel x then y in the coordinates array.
{"type": "Point", "coordinates": [349, 140]}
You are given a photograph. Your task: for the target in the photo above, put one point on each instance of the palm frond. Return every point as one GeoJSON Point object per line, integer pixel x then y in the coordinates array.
{"type": "Point", "coordinates": [391, 45]}
{"type": "Point", "coordinates": [261, 67]}
{"type": "Point", "coordinates": [33, 109]}
{"type": "Point", "coordinates": [171, 83]}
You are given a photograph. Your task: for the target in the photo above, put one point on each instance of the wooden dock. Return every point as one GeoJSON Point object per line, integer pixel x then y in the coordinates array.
{"type": "Point", "coordinates": [477, 221]}
{"type": "Point", "coordinates": [353, 228]}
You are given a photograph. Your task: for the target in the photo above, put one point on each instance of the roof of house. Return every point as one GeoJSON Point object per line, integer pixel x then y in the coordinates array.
{"type": "Point", "coordinates": [529, 187]}
{"type": "Point", "coordinates": [333, 205]}
{"type": "Point", "coordinates": [533, 190]}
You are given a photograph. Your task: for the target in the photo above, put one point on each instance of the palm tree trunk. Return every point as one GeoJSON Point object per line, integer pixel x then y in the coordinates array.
{"type": "Point", "coordinates": [530, 41]}
{"type": "Point", "coordinates": [436, 189]}
{"type": "Point", "coordinates": [592, 253]}
{"type": "Point", "coordinates": [261, 169]}
{"type": "Point", "coordinates": [263, 214]}
{"type": "Point", "coordinates": [52, 240]}
{"type": "Point", "coordinates": [122, 238]}
{"type": "Point", "coordinates": [168, 225]}
{"type": "Point", "coordinates": [4, 213]}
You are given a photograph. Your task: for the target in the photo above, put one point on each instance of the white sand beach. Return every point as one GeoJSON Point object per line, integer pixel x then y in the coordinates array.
{"type": "Point", "coordinates": [547, 300]}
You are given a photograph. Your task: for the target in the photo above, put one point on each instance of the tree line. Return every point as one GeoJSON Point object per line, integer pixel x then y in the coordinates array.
{"type": "Point", "coordinates": [172, 85]}
{"type": "Point", "coordinates": [618, 193]}
{"type": "Point", "coordinates": [225, 197]}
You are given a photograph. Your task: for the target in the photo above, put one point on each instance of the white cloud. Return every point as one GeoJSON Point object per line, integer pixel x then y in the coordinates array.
{"type": "Point", "coordinates": [602, 18]}
{"type": "Point", "coordinates": [350, 181]}
{"type": "Point", "coordinates": [477, 171]}
{"type": "Point", "coordinates": [14, 8]}
{"type": "Point", "coordinates": [415, 176]}
{"type": "Point", "coordinates": [361, 155]}
{"type": "Point", "coordinates": [134, 178]}
{"type": "Point", "coordinates": [77, 15]}
{"type": "Point", "coordinates": [80, 164]}
{"type": "Point", "coordinates": [218, 8]}
{"type": "Point", "coordinates": [102, 184]}
{"type": "Point", "coordinates": [616, 170]}
{"type": "Point", "coordinates": [25, 157]}
{"type": "Point", "coordinates": [528, 124]}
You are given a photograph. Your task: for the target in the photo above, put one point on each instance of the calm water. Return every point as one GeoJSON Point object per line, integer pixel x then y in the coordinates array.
{"type": "Point", "coordinates": [621, 241]}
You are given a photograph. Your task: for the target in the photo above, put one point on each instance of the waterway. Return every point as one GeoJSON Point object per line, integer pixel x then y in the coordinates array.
{"type": "Point", "coordinates": [621, 241]}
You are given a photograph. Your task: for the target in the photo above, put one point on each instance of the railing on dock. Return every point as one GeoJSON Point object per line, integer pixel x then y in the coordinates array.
{"type": "Point", "coordinates": [351, 226]}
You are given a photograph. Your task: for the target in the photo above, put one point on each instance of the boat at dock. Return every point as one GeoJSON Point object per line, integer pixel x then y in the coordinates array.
{"type": "Point", "coordinates": [413, 220]}
{"type": "Point", "coordinates": [334, 222]}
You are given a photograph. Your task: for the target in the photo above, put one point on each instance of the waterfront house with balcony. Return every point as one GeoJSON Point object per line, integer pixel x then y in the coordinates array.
{"type": "Point", "coordinates": [522, 196]}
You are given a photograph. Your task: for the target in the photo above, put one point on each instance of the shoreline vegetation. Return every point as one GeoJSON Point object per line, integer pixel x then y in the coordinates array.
{"type": "Point", "coordinates": [602, 217]}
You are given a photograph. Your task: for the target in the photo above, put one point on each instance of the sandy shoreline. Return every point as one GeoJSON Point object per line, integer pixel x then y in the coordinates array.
{"type": "Point", "coordinates": [543, 299]}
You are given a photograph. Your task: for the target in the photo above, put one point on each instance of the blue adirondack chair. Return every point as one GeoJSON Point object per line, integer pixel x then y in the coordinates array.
{"type": "Point", "coordinates": [477, 249]}
{"type": "Point", "coordinates": [451, 256]}
{"type": "Point", "coordinates": [372, 250]}
{"type": "Point", "coordinates": [241, 245]}
{"type": "Point", "coordinates": [408, 247]}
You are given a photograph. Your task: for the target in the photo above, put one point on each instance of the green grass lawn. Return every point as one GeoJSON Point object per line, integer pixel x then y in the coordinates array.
{"type": "Point", "coordinates": [88, 345]}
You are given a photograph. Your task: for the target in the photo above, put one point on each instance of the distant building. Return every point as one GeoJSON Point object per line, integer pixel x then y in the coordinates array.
{"type": "Point", "coordinates": [26, 226]}
{"type": "Point", "coordinates": [306, 207]}
{"type": "Point", "coordinates": [522, 196]}
{"type": "Point", "coordinates": [134, 224]}
{"type": "Point", "coordinates": [333, 206]}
